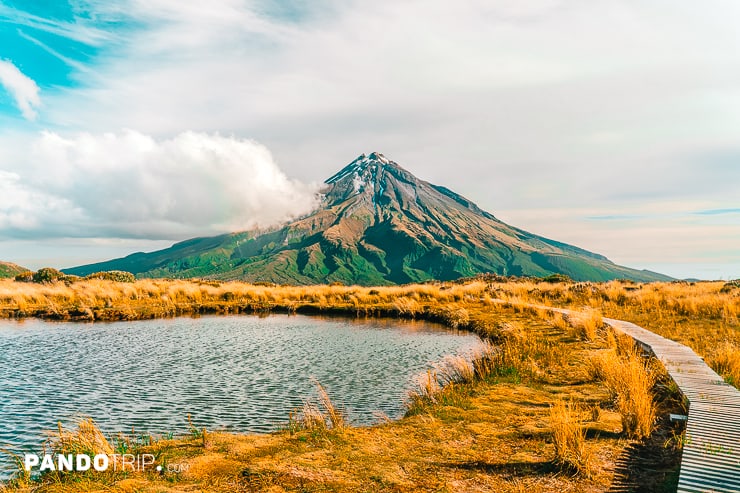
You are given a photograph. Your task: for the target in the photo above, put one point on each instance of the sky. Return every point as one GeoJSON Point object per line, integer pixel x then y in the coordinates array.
{"type": "Point", "coordinates": [128, 125]}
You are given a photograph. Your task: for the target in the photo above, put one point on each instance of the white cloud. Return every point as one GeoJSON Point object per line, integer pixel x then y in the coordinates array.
{"type": "Point", "coordinates": [477, 80]}
{"type": "Point", "coordinates": [130, 185]}
{"type": "Point", "coordinates": [78, 30]}
{"type": "Point", "coordinates": [24, 89]}
{"type": "Point", "coordinates": [521, 106]}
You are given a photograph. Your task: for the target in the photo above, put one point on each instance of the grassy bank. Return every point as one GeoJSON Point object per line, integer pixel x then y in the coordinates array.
{"type": "Point", "coordinates": [534, 412]}
{"type": "Point", "coordinates": [704, 316]}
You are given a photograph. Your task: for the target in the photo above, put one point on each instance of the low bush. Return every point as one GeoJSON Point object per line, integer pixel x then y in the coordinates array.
{"type": "Point", "coordinates": [47, 274]}
{"type": "Point", "coordinates": [113, 275]}
{"type": "Point", "coordinates": [556, 278]}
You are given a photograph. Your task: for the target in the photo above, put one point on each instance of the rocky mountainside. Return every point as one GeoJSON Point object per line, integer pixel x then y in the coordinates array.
{"type": "Point", "coordinates": [377, 224]}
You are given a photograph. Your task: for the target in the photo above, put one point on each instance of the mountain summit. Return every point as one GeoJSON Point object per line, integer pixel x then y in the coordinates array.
{"type": "Point", "coordinates": [376, 224]}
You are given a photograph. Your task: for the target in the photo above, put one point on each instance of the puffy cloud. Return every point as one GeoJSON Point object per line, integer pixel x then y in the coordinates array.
{"type": "Point", "coordinates": [129, 185]}
{"type": "Point", "coordinates": [23, 89]}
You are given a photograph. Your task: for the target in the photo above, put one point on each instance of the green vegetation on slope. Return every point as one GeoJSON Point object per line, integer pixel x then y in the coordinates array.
{"type": "Point", "coordinates": [8, 269]}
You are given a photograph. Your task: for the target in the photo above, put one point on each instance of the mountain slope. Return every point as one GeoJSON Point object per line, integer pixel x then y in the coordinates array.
{"type": "Point", "coordinates": [8, 269]}
{"type": "Point", "coordinates": [377, 224]}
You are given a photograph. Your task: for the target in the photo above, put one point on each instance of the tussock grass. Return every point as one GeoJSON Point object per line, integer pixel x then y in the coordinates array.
{"type": "Point", "coordinates": [726, 361]}
{"type": "Point", "coordinates": [702, 315]}
{"type": "Point", "coordinates": [588, 324]}
{"type": "Point", "coordinates": [558, 321]}
{"type": "Point", "coordinates": [569, 438]}
{"type": "Point", "coordinates": [336, 416]}
{"type": "Point", "coordinates": [86, 439]}
{"type": "Point", "coordinates": [456, 369]}
{"type": "Point", "coordinates": [407, 306]}
{"type": "Point", "coordinates": [630, 381]}
{"type": "Point", "coordinates": [312, 418]}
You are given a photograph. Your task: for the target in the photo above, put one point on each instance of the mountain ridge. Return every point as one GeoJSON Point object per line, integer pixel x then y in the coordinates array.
{"type": "Point", "coordinates": [9, 269]}
{"type": "Point", "coordinates": [376, 224]}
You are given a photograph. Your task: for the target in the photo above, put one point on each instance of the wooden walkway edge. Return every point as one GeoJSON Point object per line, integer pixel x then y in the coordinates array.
{"type": "Point", "coordinates": [710, 461]}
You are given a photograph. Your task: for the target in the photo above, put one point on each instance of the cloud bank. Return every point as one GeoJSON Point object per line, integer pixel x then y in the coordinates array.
{"type": "Point", "coordinates": [23, 89]}
{"type": "Point", "coordinates": [544, 112]}
{"type": "Point", "coordinates": [130, 185]}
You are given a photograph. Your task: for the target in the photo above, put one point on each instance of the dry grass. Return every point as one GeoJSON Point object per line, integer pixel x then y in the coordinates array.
{"type": "Point", "coordinates": [630, 380]}
{"type": "Point", "coordinates": [458, 369]}
{"type": "Point", "coordinates": [335, 416]}
{"type": "Point", "coordinates": [569, 438]}
{"type": "Point", "coordinates": [588, 324]}
{"type": "Point", "coordinates": [726, 361]}
{"type": "Point", "coordinates": [107, 300]}
{"type": "Point", "coordinates": [86, 439]}
{"type": "Point", "coordinates": [558, 321]}
{"type": "Point", "coordinates": [311, 417]}
{"type": "Point", "coordinates": [702, 315]}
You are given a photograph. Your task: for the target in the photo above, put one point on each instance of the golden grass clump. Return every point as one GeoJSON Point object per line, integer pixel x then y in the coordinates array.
{"type": "Point", "coordinates": [525, 353]}
{"type": "Point", "coordinates": [559, 322]}
{"type": "Point", "coordinates": [314, 419]}
{"type": "Point", "coordinates": [587, 325]}
{"type": "Point", "coordinates": [407, 306]}
{"type": "Point", "coordinates": [630, 382]}
{"type": "Point", "coordinates": [456, 369]}
{"type": "Point", "coordinates": [726, 361]}
{"type": "Point", "coordinates": [569, 439]}
{"type": "Point", "coordinates": [310, 418]}
{"type": "Point", "coordinates": [454, 315]}
{"type": "Point", "coordinates": [426, 390]}
{"type": "Point", "coordinates": [335, 415]}
{"type": "Point", "coordinates": [87, 439]}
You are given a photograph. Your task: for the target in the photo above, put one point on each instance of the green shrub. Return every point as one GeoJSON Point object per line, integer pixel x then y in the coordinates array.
{"type": "Point", "coordinates": [47, 274]}
{"type": "Point", "coordinates": [113, 275]}
{"type": "Point", "coordinates": [556, 278]}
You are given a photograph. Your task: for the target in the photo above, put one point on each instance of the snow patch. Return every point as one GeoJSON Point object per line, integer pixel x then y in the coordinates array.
{"type": "Point", "coordinates": [358, 182]}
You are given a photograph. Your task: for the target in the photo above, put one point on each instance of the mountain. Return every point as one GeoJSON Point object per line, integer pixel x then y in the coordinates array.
{"type": "Point", "coordinates": [8, 269]}
{"type": "Point", "coordinates": [376, 224]}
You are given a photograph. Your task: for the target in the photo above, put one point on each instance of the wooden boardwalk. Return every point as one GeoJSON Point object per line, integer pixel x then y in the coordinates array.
{"type": "Point", "coordinates": [710, 461]}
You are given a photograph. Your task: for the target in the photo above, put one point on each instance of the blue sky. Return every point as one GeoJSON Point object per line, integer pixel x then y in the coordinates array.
{"type": "Point", "coordinates": [129, 125]}
{"type": "Point", "coordinates": [27, 39]}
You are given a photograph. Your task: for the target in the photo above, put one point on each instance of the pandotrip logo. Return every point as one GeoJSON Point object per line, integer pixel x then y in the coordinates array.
{"type": "Point", "coordinates": [84, 462]}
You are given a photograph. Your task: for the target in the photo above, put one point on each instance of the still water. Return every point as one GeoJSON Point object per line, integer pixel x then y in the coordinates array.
{"type": "Point", "coordinates": [238, 373]}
